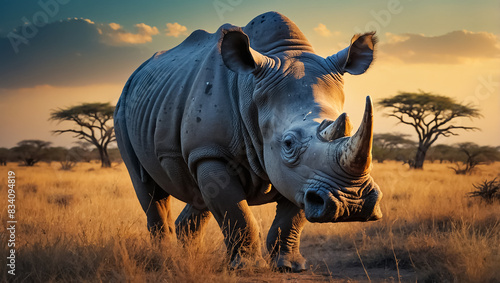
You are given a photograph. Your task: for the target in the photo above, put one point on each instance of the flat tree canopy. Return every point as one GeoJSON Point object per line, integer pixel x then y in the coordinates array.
{"type": "Point", "coordinates": [391, 146]}
{"type": "Point", "coordinates": [430, 115]}
{"type": "Point", "coordinates": [93, 124]}
{"type": "Point", "coordinates": [31, 151]}
{"type": "Point", "coordinates": [474, 155]}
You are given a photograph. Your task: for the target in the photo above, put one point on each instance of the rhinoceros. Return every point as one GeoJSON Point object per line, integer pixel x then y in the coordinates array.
{"type": "Point", "coordinates": [247, 116]}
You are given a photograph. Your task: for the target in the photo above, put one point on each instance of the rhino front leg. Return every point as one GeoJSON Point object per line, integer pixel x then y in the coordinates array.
{"type": "Point", "coordinates": [225, 198]}
{"type": "Point", "coordinates": [191, 223]}
{"type": "Point", "coordinates": [283, 239]}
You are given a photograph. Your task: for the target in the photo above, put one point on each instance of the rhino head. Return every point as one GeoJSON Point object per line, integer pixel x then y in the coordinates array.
{"type": "Point", "coordinates": [308, 151]}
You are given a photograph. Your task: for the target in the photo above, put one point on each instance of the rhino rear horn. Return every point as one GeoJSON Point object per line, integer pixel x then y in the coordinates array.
{"type": "Point", "coordinates": [356, 154]}
{"type": "Point", "coordinates": [340, 128]}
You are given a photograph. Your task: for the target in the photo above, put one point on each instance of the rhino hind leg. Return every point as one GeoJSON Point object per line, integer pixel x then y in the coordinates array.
{"type": "Point", "coordinates": [153, 199]}
{"type": "Point", "coordinates": [283, 239]}
{"type": "Point", "coordinates": [191, 222]}
{"type": "Point", "coordinates": [159, 216]}
{"type": "Point", "coordinates": [156, 204]}
{"type": "Point", "coordinates": [225, 198]}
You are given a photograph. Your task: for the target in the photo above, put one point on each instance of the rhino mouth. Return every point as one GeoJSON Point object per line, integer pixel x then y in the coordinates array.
{"type": "Point", "coordinates": [326, 201]}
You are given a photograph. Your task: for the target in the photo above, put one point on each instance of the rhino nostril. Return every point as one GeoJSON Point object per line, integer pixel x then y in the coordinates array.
{"type": "Point", "coordinates": [313, 199]}
{"type": "Point", "coordinates": [318, 205]}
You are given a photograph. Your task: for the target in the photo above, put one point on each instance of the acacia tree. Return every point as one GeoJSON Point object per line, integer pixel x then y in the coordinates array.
{"type": "Point", "coordinates": [82, 152]}
{"type": "Point", "coordinates": [31, 151]}
{"type": "Point", "coordinates": [5, 155]}
{"type": "Point", "coordinates": [93, 124]}
{"type": "Point", "coordinates": [474, 155]}
{"type": "Point", "coordinates": [388, 145]}
{"type": "Point", "coordinates": [443, 152]}
{"type": "Point", "coordinates": [430, 115]}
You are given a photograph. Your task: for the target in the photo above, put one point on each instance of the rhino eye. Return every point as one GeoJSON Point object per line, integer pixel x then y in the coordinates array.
{"type": "Point", "coordinates": [291, 149]}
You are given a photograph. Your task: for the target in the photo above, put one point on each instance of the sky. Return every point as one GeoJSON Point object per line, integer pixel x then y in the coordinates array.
{"type": "Point", "coordinates": [59, 53]}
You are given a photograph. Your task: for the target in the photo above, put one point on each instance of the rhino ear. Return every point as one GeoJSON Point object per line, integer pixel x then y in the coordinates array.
{"type": "Point", "coordinates": [237, 54]}
{"type": "Point", "coordinates": [356, 58]}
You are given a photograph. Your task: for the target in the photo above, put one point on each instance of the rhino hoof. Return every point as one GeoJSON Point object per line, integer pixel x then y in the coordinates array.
{"type": "Point", "coordinates": [240, 262]}
{"type": "Point", "coordinates": [284, 265]}
{"type": "Point", "coordinates": [284, 269]}
{"type": "Point", "coordinates": [299, 266]}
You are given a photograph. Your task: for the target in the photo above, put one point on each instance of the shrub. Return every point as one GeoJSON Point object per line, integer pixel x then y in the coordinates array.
{"type": "Point", "coordinates": [488, 191]}
{"type": "Point", "coordinates": [62, 200]}
{"type": "Point", "coordinates": [67, 165]}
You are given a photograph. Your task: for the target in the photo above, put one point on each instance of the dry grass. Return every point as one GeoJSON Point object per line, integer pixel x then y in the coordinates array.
{"type": "Point", "coordinates": [86, 225]}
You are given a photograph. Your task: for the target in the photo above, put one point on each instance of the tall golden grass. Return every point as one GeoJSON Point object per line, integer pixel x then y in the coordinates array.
{"type": "Point", "coordinates": [87, 225]}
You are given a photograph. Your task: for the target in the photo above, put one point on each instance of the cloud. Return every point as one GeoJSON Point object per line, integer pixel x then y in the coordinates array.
{"type": "Point", "coordinates": [451, 48]}
{"type": "Point", "coordinates": [322, 30]}
{"type": "Point", "coordinates": [114, 34]}
{"type": "Point", "coordinates": [72, 52]}
{"type": "Point", "coordinates": [175, 29]}
{"type": "Point", "coordinates": [115, 26]}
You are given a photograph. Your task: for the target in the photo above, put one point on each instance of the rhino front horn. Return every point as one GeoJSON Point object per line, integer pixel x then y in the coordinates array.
{"type": "Point", "coordinates": [340, 128]}
{"type": "Point", "coordinates": [356, 154]}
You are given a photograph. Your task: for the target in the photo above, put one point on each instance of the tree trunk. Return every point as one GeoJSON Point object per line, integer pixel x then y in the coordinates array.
{"type": "Point", "coordinates": [29, 161]}
{"type": "Point", "coordinates": [420, 157]}
{"type": "Point", "coordinates": [105, 161]}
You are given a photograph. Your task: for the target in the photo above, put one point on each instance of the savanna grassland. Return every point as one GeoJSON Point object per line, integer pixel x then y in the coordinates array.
{"type": "Point", "coordinates": [87, 225]}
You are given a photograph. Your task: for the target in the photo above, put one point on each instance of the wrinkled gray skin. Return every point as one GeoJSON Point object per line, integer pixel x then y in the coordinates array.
{"type": "Point", "coordinates": [216, 120]}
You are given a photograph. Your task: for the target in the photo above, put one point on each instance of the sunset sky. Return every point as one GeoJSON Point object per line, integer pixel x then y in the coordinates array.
{"type": "Point", "coordinates": [58, 53]}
